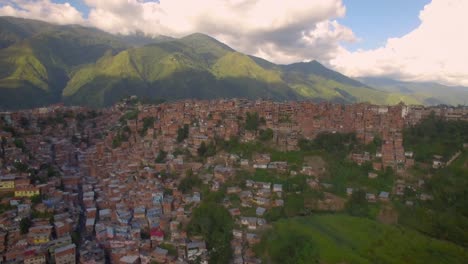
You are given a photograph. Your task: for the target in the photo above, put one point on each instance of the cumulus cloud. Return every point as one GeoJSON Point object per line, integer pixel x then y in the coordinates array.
{"type": "Point", "coordinates": [42, 10]}
{"type": "Point", "coordinates": [278, 30]}
{"type": "Point", "coordinates": [435, 51]}
{"type": "Point", "coordinates": [282, 31]}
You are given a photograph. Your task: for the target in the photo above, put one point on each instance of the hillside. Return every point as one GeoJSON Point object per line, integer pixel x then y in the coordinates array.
{"type": "Point", "coordinates": [346, 239]}
{"type": "Point", "coordinates": [427, 93]}
{"type": "Point", "coordinates": [43, 63]}
{"type": "Point", "coordinates": [313, 80]}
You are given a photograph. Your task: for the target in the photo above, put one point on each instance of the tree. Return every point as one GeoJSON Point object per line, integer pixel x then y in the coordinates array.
{"type": "Point", "coordinates": [288, 244]}
{"type": "Point", "coordinates": [25, 224]}
{"type": "Point", "coordinates": [336, 143]}
{"type": "Point", "coordinates": [189, 182]}
{"type": "Point", "coordinates": [252, 121]}
{"type": "Point", "coordinates": [148, 122]}
{"type": "Point", "coordinates": [202, 149]}
{"type": "Point", "coordinates": [161, 156]}
{"type": "Point", "coordinates": [19, 143]}
{"type": "Point", "coordinates": [357, 204]}
{"type": "Point", "coordinates": [294, 205]}
{"type": "Point", "coordinates": [24, 122]}
{"type": "Point", "coordinates": [144, 235]}
{"type": "Point", "coordinates": [215, 224]}
{"type": "Point", "coordinates": [266, 135]}
{"type": "Point", "coordinates": [206, 150]}
{"type": "Point", "coordinates": [182, 133]}
{"type": "Point", "coordinates": [36, 199]}
{"type": "Point", "coordinates": [3, 145]}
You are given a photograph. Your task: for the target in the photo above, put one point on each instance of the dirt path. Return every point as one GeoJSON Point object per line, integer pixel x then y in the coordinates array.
{"type": "Point", "coordinates": [454, 157]}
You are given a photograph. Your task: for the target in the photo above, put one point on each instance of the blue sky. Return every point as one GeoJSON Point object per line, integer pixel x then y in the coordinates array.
{"type": "Point", "coordinates": [78, 4]}
{"type": "Point", "coordinates": [389, 18]}
{"type": "Point", "coordinates": [373, 21]}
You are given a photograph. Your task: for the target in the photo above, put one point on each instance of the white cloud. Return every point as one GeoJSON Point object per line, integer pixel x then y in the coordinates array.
{"type": "Point", "coordinates": [435, 51]}
{"type": "Point", "coordinates": [283, 31]}
{"type": "Point", "coordinates": [278, 30]}
{"type": "Point", "coordinates": [42, 10]}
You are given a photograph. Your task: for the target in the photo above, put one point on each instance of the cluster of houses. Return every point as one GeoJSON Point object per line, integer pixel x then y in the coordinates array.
{"type": "Point", "coordinates": [261, 196]}
{"type": "Point", "coordinates": [40, 216]}
{"type": "Point", "coordinates": [69, 194]}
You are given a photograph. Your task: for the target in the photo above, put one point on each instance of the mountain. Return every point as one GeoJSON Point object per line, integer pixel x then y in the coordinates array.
{"type": "Point", "coordinates": [42, 63]}
{"type": "Point", "coordinates": [313, 80]}
{"type": "Point", "coordinates": [428, 93]}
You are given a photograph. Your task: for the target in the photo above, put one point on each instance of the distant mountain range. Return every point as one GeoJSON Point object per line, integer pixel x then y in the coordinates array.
{"type": "Point", "coordinates": [42, 63]}
{"type": "Point", "coordinates": [428, 93]}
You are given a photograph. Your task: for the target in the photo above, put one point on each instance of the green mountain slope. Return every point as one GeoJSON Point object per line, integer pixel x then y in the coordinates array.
{"type": "Point", "coordinates": [14, 30]}
{"type": "Point", "coordinates": [345, 239]}
{"type": "Point", "coordinates": [428, 93]}
{"type": "Point", "coordinates": [313, 80]}
{"type": "Point", "coordinates": [43, 63]}
{"type": "Point", "coordinates": [174, 69]}
{"type": "Point", "coordinates": [86, 66]}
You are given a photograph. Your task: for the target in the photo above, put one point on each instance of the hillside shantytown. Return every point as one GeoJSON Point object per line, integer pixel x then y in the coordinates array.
{"type": "Point", "coordinates": [123, 184]}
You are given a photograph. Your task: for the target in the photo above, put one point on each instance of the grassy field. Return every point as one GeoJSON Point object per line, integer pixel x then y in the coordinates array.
{"type": "Point", "coordinates": [346, 239]}
{"type": "Point", "coordinates": [445, 217]}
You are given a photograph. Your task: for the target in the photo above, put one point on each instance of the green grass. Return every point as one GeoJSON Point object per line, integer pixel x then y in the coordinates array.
{"type": "Point", "coordinates": [346, 239]}
{"type": "Point", "coordinates": [446, 217]}
{"type": "Point", "coordinates": [237, 65]}
{"type": "Point", "coordinates": [344, 174]}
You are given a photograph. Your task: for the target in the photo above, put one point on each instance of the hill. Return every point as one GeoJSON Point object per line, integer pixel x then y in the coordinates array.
{"type": "Point", "coordinates": [43, 63]}
{"type": "Point", "coordinates": [428, 93]}
{"type": "Point", "coordinates": [313, 80]}
{"type": "Point", "coordinates": [346, 239]}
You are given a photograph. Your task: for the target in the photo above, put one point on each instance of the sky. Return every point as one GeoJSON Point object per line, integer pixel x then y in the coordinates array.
{"type": "Point", "coordinates": [410, 40]}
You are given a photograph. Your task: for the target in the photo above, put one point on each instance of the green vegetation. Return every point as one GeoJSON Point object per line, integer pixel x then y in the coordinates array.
{"type": "Point", "coordinates": [123, 135]}
{"type": "Point", "coordinates": [252, 121]}
{"type": "Point", "coordinates": [244, 150]}
{"type": "Point", "coordinates": [36, 65]}
{"type": "Point", "coordinates": [76, 237]}
{"type": "Point", "coordinates": [265, 135]}
{"type": "Point", "coordinates": [426, 92]}
{"type": "Point", "coordinates": [357, 205]}
{"type": "Point", "coordinates": [206, 150]}
{"type": "Point", "coordinates": [25, 224]}
{"type": "Point", "coordinates": [346, 239]}
{"type": "Point", "coordinates": [148, 122]}
{"type": "Point", "coordinates": [172, 250]}
{"type": "Point", "coordinates": [182, 133]}
{"type": "Point", "coordinates": [19, 143]}
{"type": "Point", "coordinates": [53, 121]}
{"type": "Point", "coordinates": [341, 172]}
{"type": "Point", "coordinates": [237, 65]}
{"type": "Point", "coordinates": [78, 65]}
{"type": "Point", "coordinates": [289, 245]}
{"type": "Point", "coordinates": [434, 136]}
{"type": "Point", "coordinates": [189, 182]}
{"type": "Point", "coordinates": [332, 143]}
{"type": "Point", "coordinates": [345, 173]}
{"type": "Point", "coordinates": [161, 157]}
{"type": "Point", "coordinates": [214, 223]}
{"type": "Point", "coordinates": [446, 217]}
{"type": "Point", "coordinates": [129, 115]}
{"type": "Point", "coordinates": [20, 166]}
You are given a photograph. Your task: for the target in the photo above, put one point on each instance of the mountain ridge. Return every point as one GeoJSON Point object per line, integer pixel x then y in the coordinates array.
{"type": "Point", "coordinates": [429, 93]}
{"type": "Point", "coordinates": [86, 66]}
